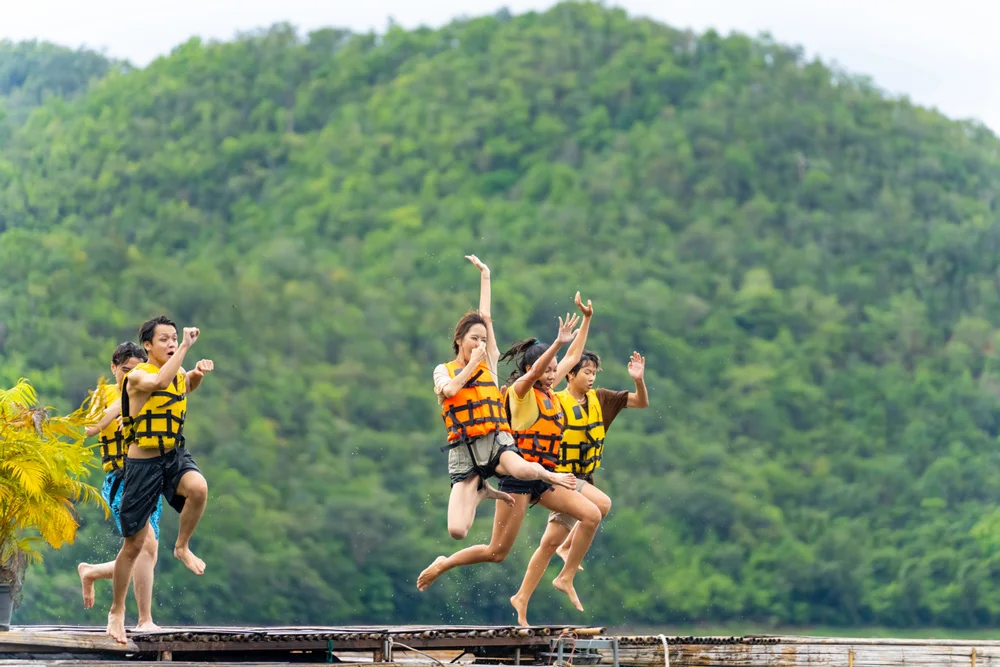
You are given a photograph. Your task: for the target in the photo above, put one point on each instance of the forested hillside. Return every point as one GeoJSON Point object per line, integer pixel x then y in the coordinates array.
{"type": "Point", "coordinates": [809, 267]}
{"type": "Point", "coordinates": [33, 72]}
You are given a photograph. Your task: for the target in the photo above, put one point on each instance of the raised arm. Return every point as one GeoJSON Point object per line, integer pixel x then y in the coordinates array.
{"type": "Point", "coordinates": [566, 334]}
{"type": "Point", "coordinates": [575, 351]}
{"type": "Point", "coordinates": [636, 369]}
{"type": "Point", "coordinates": [110, 414]}
{"type": "Point", "coordinates": [485, 298]}
{"type": "Point", "coordinates": [141, 382]}
{"type": "Point", "coordinates": [194, 376]}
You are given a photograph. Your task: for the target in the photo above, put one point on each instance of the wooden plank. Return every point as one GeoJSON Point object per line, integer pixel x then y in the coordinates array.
{"type": "Point", "coordinates": [74, 640]}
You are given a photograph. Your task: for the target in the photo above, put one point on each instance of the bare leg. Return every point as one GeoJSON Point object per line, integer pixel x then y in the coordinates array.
{"type": "Point", "coordinates": [603, 502]}
{"type": "Point", "coordinates": [584, 511]}
{"type": "Point", "coordinates": [506, 524]}
{"type": "Point", "coordinates": [464, 500]}
{"type": "Point", "coordinates": [512, 465]}
{"type": "Point", "coordinates": [563, 550]}
{"type": "Point", "coordinates": [194, 488]}
{"type": "Point", "coordinates": [142, 579]}
{"type": "Point", "coordinates": [124, 564]}
{"type": "Point", "coordinates": [555, 533]}
{"type": "Point", "coordinates": [91, 573]}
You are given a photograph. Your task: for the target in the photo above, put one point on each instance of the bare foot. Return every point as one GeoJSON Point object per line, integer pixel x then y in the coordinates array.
{"type": "Point", "coordinates": [563, 479]}
{"type": "Point", "coordinates": [567, 588]}
{"type": "Point", "coordinates": [147, 626]}
{"type": "Point", "coordinates": [494, 494]}
{"type": "Point", "coordinates": [192, 562]}
{"type": "Point", "coordinates": [83, 569]}
{"type": "Point", "coordinates": [521, 606]}
{"type": "Point", "coordinates": [116, 626]}
{"type": "Point", "coordinates": [430, 573]}
{"type": "Point", "coordinates": [563, 552]}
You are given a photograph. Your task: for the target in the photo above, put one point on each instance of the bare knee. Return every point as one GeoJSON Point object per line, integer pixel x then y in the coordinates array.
{"type": "Point", "coordinates": [604, 505]}
{"type": "Point", "coordinates": [591, 516]}
{"type": "Point", "coordinates": [458, 533]}
{"type": "Point", "coordinates": [131, 549]}
{"type": "Point", "coordinates": [498, 555]}
{"type": "Point", "coordinates": [196, 489]}
{"type": "Point", "coordinates": [150, 547]}
{"type": "Point", "coordinates": [550, 543]}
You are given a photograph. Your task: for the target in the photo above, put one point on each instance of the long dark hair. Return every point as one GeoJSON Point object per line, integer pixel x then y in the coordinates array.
{"type": "Point", "coordinates": [524, 353]}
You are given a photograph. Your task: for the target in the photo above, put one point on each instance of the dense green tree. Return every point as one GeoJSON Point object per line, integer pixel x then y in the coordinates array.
{"type": "Point", "coordinates": [809, 267]}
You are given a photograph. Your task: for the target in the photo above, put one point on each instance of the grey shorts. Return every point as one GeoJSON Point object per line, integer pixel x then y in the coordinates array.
{"type": "Point", "coordinates": [566, 519]}
{"type": "Point", "coordinates": [487, 449]}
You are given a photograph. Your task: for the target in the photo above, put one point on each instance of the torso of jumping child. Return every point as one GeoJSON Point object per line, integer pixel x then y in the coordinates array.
{"type": "Point", "coordinates": [138, 403]}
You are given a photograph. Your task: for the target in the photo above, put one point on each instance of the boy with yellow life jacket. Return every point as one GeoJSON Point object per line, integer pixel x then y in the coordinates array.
{"type": "Point", "coordinates": [589, 413]}
{"type": "Point", "coordinates": [480, 444]}
{"type": "Point", "coordinates": [537, 422]}
{"type": "Point", "coordinates": [125, 357]}
{"type": "Point", "coordinates": [153, 408]}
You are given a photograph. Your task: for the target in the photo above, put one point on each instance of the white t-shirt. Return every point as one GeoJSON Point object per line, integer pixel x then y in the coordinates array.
{"type": "Point", "coordinates": [442, 377]}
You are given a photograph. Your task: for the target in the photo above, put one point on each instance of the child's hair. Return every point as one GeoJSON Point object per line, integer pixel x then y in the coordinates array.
{"type": "Point", "coordinates": [584, 358]}
{"type": "Point", "coordinates": [126, 351]}
{"type": "Point", "coordinates": [525, 354]}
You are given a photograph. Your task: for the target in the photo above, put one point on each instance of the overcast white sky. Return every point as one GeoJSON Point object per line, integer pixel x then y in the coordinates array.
{"type": "Point", "coordinates": [941, 54]}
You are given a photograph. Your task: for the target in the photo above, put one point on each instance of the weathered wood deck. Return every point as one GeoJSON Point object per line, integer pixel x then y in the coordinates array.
{"type": "Point", "coordinates": [442, 645]}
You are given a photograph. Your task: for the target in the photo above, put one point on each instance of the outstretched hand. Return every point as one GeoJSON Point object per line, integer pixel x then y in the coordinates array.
{"type": "Point", "coordinates": [483, 269]}
{"type": "Point", "coordinates": [636, 366]}
{"type": "Point", "coordinates": [588, 310]}
{"type": "Point", "coordinates": [567, 328]}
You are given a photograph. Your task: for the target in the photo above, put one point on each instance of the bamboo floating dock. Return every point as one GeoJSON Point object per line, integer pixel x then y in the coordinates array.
{"type": "Point", "coordinates": [552, 645]}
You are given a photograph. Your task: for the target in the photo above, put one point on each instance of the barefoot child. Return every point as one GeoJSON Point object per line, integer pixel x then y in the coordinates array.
{"type": "Point", "coordinates": [480, 444]}
{"type": "Point", "coordinates": [536, 365]}
{"type": "Point", "coordinates": [589, 414]}
{"type": "Point", "coordinates": [126, 356]}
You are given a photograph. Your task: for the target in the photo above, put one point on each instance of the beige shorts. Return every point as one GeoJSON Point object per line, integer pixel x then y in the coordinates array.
{"type": "Point", "coordinates": [566, 519]}
{"type": "Point", "coordinates": [487, 449]}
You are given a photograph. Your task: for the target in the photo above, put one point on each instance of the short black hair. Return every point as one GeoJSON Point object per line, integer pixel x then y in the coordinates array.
{"type": "Point", "coordinates": [148, 328]}
{"type": "Point", "coordinates": [126, 351]}
{"type": "Point", "coordinates": [584, 358]}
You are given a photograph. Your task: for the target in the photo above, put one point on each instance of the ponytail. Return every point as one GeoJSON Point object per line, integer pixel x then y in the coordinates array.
{"type": "Point", "coordinates": [524, 353]}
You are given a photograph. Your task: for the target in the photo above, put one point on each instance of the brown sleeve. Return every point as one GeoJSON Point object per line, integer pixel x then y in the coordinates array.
{"type": "Point", "coordinates": [612, 402]}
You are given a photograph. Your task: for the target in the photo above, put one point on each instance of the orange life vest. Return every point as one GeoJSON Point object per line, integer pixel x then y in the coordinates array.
{"type": "Point", "coordinates": [539, 443]}
{"type": "Point", "coordinates": [476, 409]}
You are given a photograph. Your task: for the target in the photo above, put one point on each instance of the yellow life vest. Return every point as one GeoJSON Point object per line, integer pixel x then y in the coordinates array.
{"type": "Point", "coordinates": [583, 438]}
{"type": "Point", "coordinates": [160, 423]}
{"type": "Point", "coordinates": [539, 443]}
{"type": "Point", "coordinates": [476, 409]}
{"type": "Point", "coordinates": [112, 444]}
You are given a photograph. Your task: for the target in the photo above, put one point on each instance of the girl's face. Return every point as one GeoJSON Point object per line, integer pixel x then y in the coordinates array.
{"type": "Point", "coordinates": [473, 337]}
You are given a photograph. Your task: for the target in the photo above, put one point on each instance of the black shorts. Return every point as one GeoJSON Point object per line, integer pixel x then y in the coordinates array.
{"type": "Point", "coordinates": [146, 480]}
{"type": "Point", "coordinates": [535, 488]}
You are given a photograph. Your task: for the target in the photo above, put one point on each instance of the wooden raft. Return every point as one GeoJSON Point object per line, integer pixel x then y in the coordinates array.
{"type": "Point", "coordinates": [504, 645]}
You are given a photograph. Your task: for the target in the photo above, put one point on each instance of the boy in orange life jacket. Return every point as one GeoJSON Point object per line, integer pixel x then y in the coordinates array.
{"type": "Point", "coordinates": [589, 416]}
{"type": "Point", "coordinates": [538, 437]}
{"type": "Point", "coordinates": [479, 440]}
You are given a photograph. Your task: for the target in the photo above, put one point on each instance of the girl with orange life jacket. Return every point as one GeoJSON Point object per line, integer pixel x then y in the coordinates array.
{"type": "Point", "coordinates": [480, 444]}
{"type": "Point", "coordinates": [537, 427]}
{"type": "Point", "coordinates": [589, 414]}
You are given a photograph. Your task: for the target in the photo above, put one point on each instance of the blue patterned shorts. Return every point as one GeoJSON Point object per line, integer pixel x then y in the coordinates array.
{"type": "Point", "coordinates": [116, 502]}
